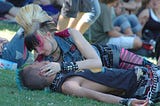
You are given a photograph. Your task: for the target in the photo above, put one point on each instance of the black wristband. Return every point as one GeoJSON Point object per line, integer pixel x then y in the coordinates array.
{"type": "Point", "coordinates": [69, 66]}
{"type": "Point", "coordinates": [124, 102]}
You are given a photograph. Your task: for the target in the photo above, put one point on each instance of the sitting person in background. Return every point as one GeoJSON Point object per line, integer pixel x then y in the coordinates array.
{"type": "Point", "coordinates": [78, 14]}
{"type": "Point", "coordinates": [8, 10]}
{"type": "Point", "coordinates": [150, 19]}
{"type": "Point", "coordinates": [102, 31]}
{"type": "Point", "coordinates": [128, 23]}
{"type": "Point", "coordinates": [132, 6]}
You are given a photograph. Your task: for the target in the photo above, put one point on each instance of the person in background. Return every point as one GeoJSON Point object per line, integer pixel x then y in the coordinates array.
{"type": "Point", "coordinates": [132, 6]}
{"type": "Point", "coordinates": [79, 14]}
{"type": "Point", "coordinates": [149, 19]}
{"type": "Point", "coordinates": [102, 31]}
{"type": "Point", "coordinates": [8, 10]}
{"type": "Point", "coordinates": [128, 23]}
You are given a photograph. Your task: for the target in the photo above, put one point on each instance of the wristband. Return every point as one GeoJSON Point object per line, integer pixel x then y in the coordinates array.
{"type": "Point", "coordinates": [69, 66]}
{"type": "Point", "coordinates": [126, 101]}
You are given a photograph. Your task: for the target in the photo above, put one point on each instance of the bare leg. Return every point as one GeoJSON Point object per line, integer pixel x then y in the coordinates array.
{"type": "Point", "coordinates": [137, 43]}
{"type": "Point", "coordinates": [82, 26]}
{"type": "Point", "coordinates": [128, 31]}
{"type": "Point", "coordinates": [74, 21]}
{"type": "Point", "coordinates": [62, 22]}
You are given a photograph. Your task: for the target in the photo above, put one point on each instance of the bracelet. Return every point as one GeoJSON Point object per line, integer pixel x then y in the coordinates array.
{"type": "Point", "coordinates": [69, 66]}
{"type": "Point", "coordinates": [126, 101]}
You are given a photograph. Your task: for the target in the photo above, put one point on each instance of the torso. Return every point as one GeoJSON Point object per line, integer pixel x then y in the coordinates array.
{"type": "Point", "coordinates": [92, 85]}
{"type": "Point", "coordinates": [153, 23]}
{"type": "Point", "coordinates": [102, 25]}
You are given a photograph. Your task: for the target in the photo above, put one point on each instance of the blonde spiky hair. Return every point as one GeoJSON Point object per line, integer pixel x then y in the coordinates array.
{"type": "Point", "coordinates": [30, 17]}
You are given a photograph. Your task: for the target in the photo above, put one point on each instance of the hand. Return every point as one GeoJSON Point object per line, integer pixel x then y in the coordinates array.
{"type": "Point", "coordinates": [50, 68]}
{"type": "Point", "coordinates": [136, 102]}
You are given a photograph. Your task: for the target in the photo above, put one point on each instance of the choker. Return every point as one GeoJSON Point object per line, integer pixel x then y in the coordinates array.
{"type": "Point", "coordinates": [55, 50]}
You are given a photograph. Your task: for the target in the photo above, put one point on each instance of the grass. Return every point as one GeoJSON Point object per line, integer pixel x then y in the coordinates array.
{"type": "Point", "coordinates": [11, 96]}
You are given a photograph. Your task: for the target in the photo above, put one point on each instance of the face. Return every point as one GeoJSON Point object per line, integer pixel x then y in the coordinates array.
{"type": "Point", "coordinates": [115, 3]}
{"type": "Point", "coordinates": [156, 4]}
{"type": "Point", "coordinates": [46, 45]}
{"type": "Point", "coordinates": [33, 77]}
{"type": "Point", "coordinates": [118, 9]}
{"type": "Point", "coordinates": [36, 65]}
{"type": "Point", "coordinates": [35, 68]}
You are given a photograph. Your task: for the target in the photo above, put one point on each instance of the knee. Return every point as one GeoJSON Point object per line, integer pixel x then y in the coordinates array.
{"type": "Point", "coordinates": [122, 22]}
{"type": "Point", "coordinates": [92, 16]}
{"type": "Point", "coordinates": [137, 43]}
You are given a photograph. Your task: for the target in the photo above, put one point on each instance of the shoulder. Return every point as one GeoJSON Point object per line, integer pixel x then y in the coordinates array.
{"type": "Point", "coordinates": [145, 13]}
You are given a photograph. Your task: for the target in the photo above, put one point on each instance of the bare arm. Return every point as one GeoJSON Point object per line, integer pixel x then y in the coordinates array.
{"type": "Point", "coordinates": [143, 17]}
{"type": "Point", "coordinates": [114, 33]}
{"type": "Point", "coordinates": [92, 60]}
{"type": "Point", "coordinates": [73, 88]}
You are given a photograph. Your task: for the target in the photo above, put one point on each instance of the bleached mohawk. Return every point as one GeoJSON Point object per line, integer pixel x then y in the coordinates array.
{"type": "Point", "coordinates": [30, 17]}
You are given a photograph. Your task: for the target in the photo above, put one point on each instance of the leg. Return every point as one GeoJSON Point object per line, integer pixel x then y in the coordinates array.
{"type": "Point", "coordinates": [122, 22]}
{"type": "Point", "coordinates": [69, 10]}
{"type": "Point", "coordinates": [127, 42]}
{"type": "Point", "coordinates": [89, 16]}
{"type": "Point", "coordinates": [62, 22]}
{"type": "Point", "coordinates": [74, 21]}
{"type": "Point", "coordinates": [135, 24]}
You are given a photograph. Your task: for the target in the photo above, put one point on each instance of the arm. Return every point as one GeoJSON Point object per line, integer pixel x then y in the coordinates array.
{"type": "Point", "coordinates": [92, 60]}
{"type": "Point", "coordinates": [73, 88]}
{"type": "Point", "coordinates": [114, 33]}
{"type": "Point", "coordinates": [129, 5]}
{"type": "Point", "coordinates": [143, 17]}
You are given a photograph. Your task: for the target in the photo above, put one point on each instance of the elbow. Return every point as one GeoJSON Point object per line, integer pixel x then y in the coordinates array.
{"type": "Point", "coordinates": [99, 62]}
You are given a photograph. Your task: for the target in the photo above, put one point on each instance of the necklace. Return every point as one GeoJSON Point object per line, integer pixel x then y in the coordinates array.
{"type": "Point", "coordinates": [59, 57]}
{"type": "Point", "coordinates": [55, 49]}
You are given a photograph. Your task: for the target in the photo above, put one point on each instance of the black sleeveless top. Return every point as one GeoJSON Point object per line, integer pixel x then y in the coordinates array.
{"type": "Point", "coordinates": [114, 78]}
{"type": "Point", "coordinates": [152, 25]}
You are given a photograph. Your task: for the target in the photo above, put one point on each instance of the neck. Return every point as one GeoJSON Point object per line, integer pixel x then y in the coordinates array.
{"type": "Point", "coordinates": [55, 49]}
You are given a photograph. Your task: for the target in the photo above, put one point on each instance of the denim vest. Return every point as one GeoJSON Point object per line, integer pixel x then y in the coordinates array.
{"type": "Point", "coordinates": [14, 50]}
{"type": "Point", "coordinates": [69, 50]}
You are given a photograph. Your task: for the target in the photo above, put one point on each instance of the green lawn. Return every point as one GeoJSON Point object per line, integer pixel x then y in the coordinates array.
{"type": "Point", "coordinates": [11, 96]}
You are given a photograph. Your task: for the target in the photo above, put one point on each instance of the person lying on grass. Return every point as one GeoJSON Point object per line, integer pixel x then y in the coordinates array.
{"type": "Point", "coordinates": [14, 50]}
{"type": "Point", "coordinates": [69, 47]}
{"type": "Point", "coordinates": [68, 50]}
{"type": "Point", "coordinates": [111, 86]}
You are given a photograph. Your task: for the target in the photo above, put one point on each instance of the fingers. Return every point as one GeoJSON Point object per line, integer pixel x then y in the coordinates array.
{"type": "Point", "coordinates": [49, 73]}
{"type": "Point", "coordinates": [45, 68]}
{"type": "Point", "coordinates": [48, 69]}
{"type": "Point", "coordinates": [141, 103]}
